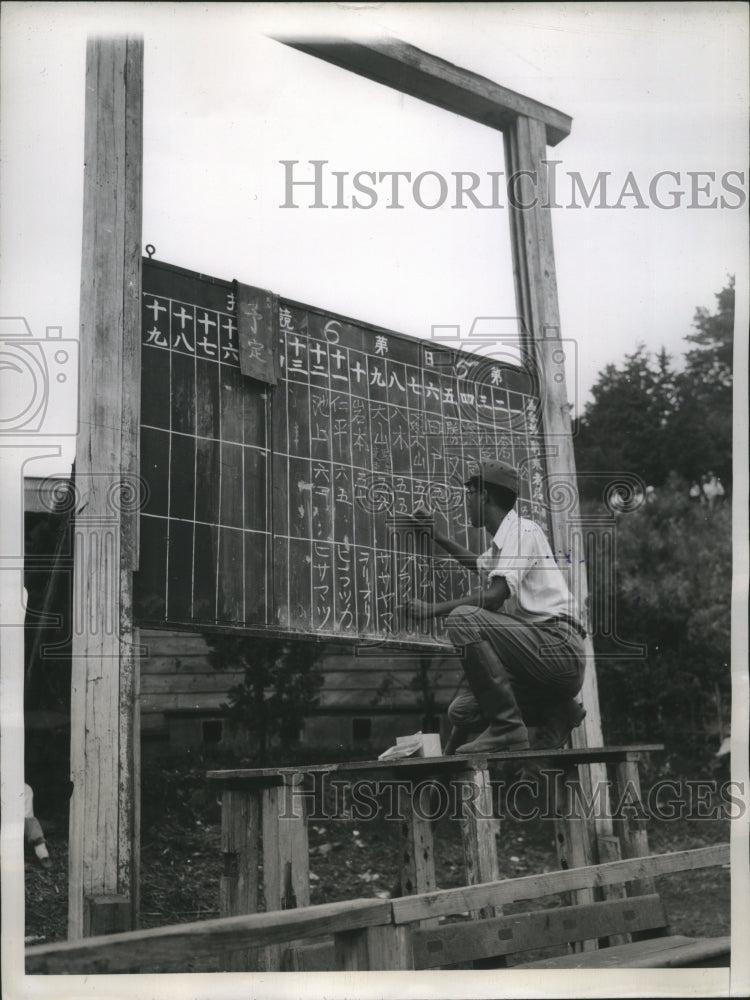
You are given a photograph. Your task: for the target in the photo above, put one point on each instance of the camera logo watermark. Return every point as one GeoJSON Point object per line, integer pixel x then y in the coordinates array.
{"type": "Point", "coordinates": [38, 380]}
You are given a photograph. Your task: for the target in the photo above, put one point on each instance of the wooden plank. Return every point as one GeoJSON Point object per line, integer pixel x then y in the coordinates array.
{"type": "Point", "coordinates": [388, 948]}
{"type": "Point", "coordinates": [103, 822]}
{"type": "Point", "coordinates": [137, 746]}
{"type": "Point", "coordinates": [285, 848]}
{"type": "Point", "coordinates": [537, 305]}
{"type": "Point", "coordinates": [157, 666]}
{"type": "Point", "coordinates": [417, 847]}
{"type": "Point", "coordinates": [453, 943]}
{"type": "Point", "coordinates": [184, 658]}
{"type": "Point", "coordinates": [131, 495]}
{"type": "Point", "coordinates": [137, 951]}
{"type": "Point", "coordinates": [378, 948]}
{"type": "Point", "coordinates": [576, 755]}
{"type": "Point", "coordinates": [285, 854]}
{"type": "Point", "coordinates": [409, 70]}
{"type": "Point", "coordinates": [240, 846]}
{"type": "Point", "coordinates": [448, 901]}
{"type": "Point", "coordinates": [39, 492]}
{"type": "Point", "coordinates": [350, 951]}
{"type": "Point", "coordinates": [657, 953]}
{"type": "Point", "coordinates": [631, 825]}
{"type": "Point", "coordinates": [172, 654]}
{"type": "Point", "coordinates": [318, 957]}
{"type": "Point", "coordinates": [572, 836]}
{"type": "Point", "coordinates": [107, 915]}
{"type": "Point", "coordinates": [479, 829]}
{"type": "Point", "coordinates": [190, 683]}
{"type": "Point", "coordinates": [166, 642]}
{"type": "Point", "coordinates": [179, 701]}
{"type": "Point", "coordinates": [609, 850]}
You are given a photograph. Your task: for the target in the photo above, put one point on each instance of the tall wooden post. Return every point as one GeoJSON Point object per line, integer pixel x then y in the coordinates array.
{"type": "Point", "coordinates": [104, 835]}
{"type": "Point", "coordinates": [536, 301]}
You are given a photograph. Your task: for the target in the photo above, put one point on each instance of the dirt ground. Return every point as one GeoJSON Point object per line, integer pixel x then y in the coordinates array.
{"type": "Point", "coordinates": [181, 858]}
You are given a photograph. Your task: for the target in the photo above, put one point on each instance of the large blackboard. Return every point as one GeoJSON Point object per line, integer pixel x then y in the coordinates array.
{"type": "Point", "coordinates": [279, 506]}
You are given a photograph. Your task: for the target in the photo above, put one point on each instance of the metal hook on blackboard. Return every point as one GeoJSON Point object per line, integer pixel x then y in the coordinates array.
{"type": "Point", "coordinates": [150, 250]}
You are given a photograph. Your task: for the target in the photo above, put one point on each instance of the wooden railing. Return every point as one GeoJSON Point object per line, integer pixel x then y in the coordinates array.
{"type": "Point", "coordinates": [369, 934]}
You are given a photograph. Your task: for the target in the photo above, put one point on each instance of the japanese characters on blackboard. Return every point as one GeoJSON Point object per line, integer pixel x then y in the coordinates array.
{"type": "Point", "coordinates": [277, 505]}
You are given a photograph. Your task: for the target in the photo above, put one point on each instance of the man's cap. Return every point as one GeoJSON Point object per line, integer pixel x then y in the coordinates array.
{"type": "Point", "coordinates": [496, 472]}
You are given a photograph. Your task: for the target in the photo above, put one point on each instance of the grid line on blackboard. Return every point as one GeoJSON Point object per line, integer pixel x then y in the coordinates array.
{"type": "Point", "coordinates": [377, 432]}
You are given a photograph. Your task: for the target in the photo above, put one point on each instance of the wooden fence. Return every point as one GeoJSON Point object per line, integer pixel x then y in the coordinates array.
{"type": "Point", "coordinates": [368, 934]}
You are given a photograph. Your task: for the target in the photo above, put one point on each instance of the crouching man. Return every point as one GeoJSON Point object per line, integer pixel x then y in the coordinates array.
{"type": "Point", "coordinates": [519, 633]}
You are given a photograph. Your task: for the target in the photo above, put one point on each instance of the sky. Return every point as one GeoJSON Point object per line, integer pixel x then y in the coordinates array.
{"type": "Point", "coordinates": [650, 88]}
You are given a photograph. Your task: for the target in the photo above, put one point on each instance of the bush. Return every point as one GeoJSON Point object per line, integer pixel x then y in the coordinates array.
{"type": "Point", "coordinates": [671, 592]}
{"type": "Point", "coordinates": [281, 683]}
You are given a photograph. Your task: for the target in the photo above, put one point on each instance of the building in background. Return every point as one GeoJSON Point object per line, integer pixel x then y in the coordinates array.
{"type": "Point", "coordinates": [368, 697]}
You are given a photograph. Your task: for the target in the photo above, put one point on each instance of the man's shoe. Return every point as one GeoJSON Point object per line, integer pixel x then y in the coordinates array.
{"type": "Point", "coordinates": [496, 739]}
{"type": "Point", "coordinates": [455, 737]}
{"type": "Point", "coordinates": [562, 718]}
{"type": "Point", "coordinates": [494, 694]}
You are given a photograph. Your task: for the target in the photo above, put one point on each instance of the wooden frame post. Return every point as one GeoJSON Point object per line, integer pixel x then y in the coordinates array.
{"type": "Point", "coordinates": [240, 847]}
{"type": "Point", "coordinates": [479, 828]}
{"type": "Point", "coordinates": [104, 807]}
{"type": "Point", "coordinates": [417, 867]}
{"type": "Point", "coordinates": [536, 302]}
{"type": "Point", "coordinates": [632, 829]}
{"type": "Point", "coordinates": [286, 861]}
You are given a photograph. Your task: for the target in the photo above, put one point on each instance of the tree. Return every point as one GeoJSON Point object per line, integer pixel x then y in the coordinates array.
{"type": "Point", "coordinates": [671, 586]}
{"type": "Point", "coordinates": [671, 592]}
{"type": "Point", "coordinates": [625, 428]}
{"type": "Point", "coordinates": [701, 427]}
{"type": "Point", "coordinates": [647, 420]}
{"type": "Point", "coordinates": [281, 684]}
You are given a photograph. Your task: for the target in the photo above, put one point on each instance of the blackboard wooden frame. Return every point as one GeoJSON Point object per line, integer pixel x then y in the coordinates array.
{"type": "Point", "coordinates": [170, 392]}
{"type": "Point", "coordinates": [104, 835]}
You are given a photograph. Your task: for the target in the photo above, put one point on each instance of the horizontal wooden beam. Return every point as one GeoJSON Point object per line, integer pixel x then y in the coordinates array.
{"type": "Point", "coordinates": [411, 71]}
{"type": "Point", "coordinates": [41, 494]}
{"type": "Point", "coordinates": [467, 898]}
{"type": "Point", "coordinates": [655, 953]}
{"type": "Point", "coordinates": [137, 951]}
{"type": "Point", "coordinates": [520, 932]}
{"type": "Point", "coordinates": [427, 765]}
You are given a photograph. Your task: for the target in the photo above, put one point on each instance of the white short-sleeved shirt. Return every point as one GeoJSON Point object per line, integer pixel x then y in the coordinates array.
{"type": "Point", "coordinates": [521, 554]}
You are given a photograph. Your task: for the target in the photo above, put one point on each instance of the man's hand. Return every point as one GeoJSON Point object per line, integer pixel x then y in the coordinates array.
{"type": "Point", "coordinates": [424, 519]}
{"type": "Point", "coordinates": [417, 609]}
{"type": "Point", "coordinates": [420, 517]}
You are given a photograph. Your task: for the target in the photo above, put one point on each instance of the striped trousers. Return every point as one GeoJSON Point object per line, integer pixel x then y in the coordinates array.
{"type": "Point", "coordinates": [545, 663]}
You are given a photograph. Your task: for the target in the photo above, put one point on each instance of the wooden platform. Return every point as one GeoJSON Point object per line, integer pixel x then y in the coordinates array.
{"type": "Point", "coordinates": [247, 777]}
{"type": "Point", "coordinates": [264, 827]}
